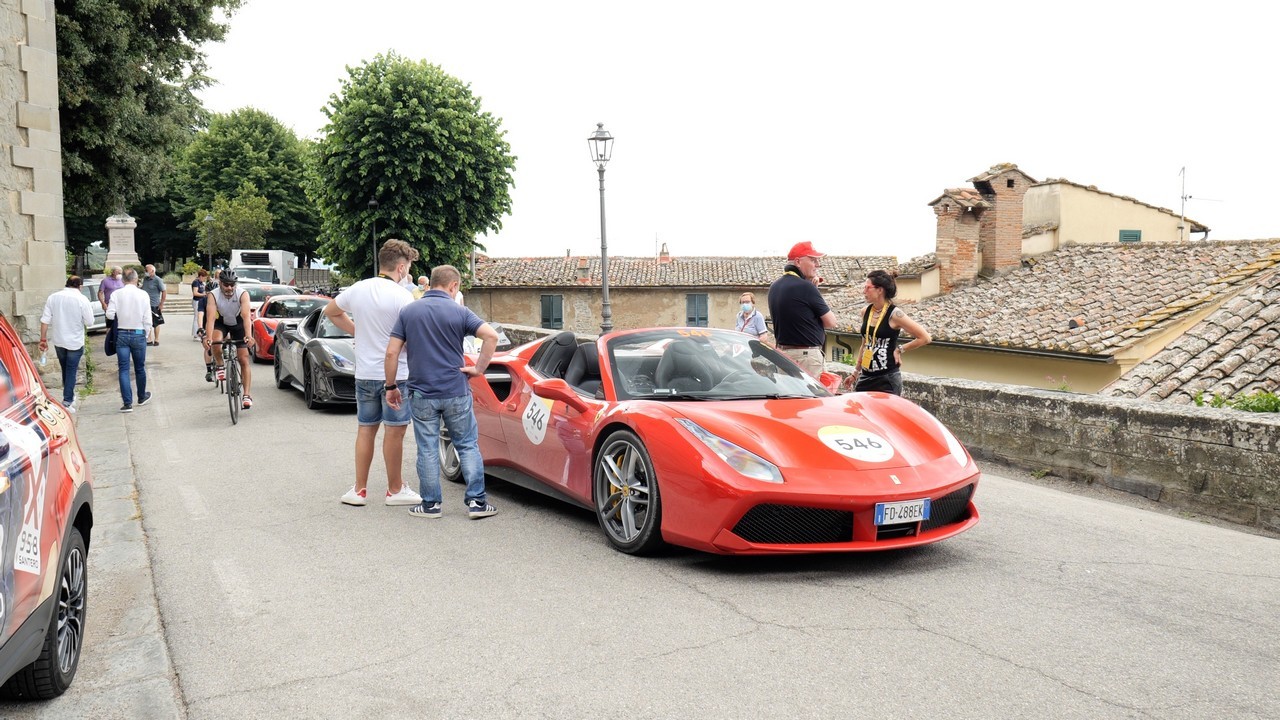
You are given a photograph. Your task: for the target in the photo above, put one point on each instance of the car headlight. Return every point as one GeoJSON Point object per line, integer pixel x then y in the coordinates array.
{"type": "Point", "coordinates": [338, 361]}
{"type": "Point", "coordinates": [744, 461]}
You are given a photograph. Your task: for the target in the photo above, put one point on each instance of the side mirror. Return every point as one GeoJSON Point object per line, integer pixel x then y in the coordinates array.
{"type": "Point", "coordinates": [557, 389]}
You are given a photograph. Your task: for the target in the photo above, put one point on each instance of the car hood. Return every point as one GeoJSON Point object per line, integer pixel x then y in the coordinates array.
{"type": "Point", "coordinates": [854, 431]}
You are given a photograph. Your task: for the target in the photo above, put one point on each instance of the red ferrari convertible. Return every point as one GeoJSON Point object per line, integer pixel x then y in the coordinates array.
{"type": "Point", "coordinates": [712, 440]}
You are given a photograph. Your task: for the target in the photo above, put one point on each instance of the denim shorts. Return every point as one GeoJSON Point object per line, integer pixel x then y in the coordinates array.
{"type": "Point", "coordinates": [372, 407]}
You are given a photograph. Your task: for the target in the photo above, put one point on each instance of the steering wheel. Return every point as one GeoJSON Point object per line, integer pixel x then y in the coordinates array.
{"type": "Point", "coordinates": [739, 375]}
{"type": "Point", "coordinates": [640, 384]}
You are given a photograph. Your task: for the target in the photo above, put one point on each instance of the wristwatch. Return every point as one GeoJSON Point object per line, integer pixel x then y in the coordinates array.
{"type": "Point", "coordinates": [392, 386]}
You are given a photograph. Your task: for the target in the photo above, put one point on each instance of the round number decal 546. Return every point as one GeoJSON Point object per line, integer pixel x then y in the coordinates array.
{"type": "Point", "coordinates": [856, 443]}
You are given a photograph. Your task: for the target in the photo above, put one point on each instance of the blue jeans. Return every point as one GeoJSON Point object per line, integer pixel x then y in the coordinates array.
{"type": "Point", "coordinates": [70, 362]}
{"type": "Point", "coordinates": [132, 344]}
{"type": "Point", "coordinates": [461, 422]}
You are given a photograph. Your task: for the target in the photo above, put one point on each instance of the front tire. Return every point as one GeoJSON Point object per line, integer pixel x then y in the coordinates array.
{"type": "Point", "coordinates": [282, 381]}
{"type": "Point", "coordinates": [52, 672]}
{"type": "Point", "coordinates": [309, 387]}
{"type": "Point", "coordinates": [450, 463]}
{"type": "Point", "coordinates": [628, 505]}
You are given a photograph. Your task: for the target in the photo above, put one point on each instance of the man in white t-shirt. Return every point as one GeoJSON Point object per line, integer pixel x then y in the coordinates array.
{"type": "Point", "coordinates": [373, 305]}
{"type": "Point", "coordinates": [69, 313]}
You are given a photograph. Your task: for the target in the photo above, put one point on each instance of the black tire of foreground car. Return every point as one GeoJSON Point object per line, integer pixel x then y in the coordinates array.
{"type": "Point", "coordinates": [51, 673]}
{"type": "Point", "coordinates": [628, 504]}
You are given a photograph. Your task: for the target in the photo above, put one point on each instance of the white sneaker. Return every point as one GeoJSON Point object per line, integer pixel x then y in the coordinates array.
{"type": "Point", "coordinates": [354, 498]}
{"type": "Point", "coordinates": [404, 497]}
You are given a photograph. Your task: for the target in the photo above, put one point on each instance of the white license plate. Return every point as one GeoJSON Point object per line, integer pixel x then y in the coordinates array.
{"type": "Point", "coordinates": [907, 511]}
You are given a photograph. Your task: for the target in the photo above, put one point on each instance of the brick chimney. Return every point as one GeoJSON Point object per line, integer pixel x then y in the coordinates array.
{"type": "Point", "coordinates": [1000, 238]}
{"type": "Point", "coordinates": [664, 257]}
{"type": "Point", "coordinates": [959, 214]}
{"type": "Point", "coordinates": [583, 270]}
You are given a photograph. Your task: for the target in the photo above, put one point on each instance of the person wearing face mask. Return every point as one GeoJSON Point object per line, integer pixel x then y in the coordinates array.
{"type": "Point", "coordinates": [374, 304]}
{"type": "Point", "coordinates": [113, 282]}
{"type": "Point", "coordinates": [750, 321]}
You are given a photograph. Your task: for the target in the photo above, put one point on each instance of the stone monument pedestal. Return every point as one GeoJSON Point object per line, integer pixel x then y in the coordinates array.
{"type": "Point", "coordinates": [120, 250]}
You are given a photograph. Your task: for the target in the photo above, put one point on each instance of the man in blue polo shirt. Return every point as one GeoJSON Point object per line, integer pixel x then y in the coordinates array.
{"type": "Point", "coordinates": [431, 331]}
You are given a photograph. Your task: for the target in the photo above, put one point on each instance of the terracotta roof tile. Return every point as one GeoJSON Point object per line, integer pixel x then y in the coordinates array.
{"type": "Point", "coordinates": [1124, 291]}
{"type": "Point", "coordinates": [492, 272]}
{"type": "Point", "coordinates": [918, 265]}
{"type": "Point", "coordinates": [1236, 349]}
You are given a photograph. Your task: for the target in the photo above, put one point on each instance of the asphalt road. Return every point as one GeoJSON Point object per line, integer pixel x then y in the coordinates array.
{"type": "Point", "coordinates": [277, 601]}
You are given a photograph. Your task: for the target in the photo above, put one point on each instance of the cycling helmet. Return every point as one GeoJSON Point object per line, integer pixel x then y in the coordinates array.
{"type": "Point", "coordinates": [228, 277]}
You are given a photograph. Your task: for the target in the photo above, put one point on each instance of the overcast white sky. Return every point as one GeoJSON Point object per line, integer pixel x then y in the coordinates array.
{"type": "Point", "coordinates": [743, 127]}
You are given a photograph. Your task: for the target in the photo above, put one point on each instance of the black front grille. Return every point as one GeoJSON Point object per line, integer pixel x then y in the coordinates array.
{"type": "Point", "coordinates": [791, 525]}
{"type": "Point", "coordinates": [901, 530]}
{"type": "Point", "coordinates": [344, 387]}
{"type": "Point", "coordinates": [949, 509]}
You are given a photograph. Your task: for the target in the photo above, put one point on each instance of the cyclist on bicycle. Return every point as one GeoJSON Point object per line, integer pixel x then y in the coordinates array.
{"type": "Point", "coordinates": [227, 317]}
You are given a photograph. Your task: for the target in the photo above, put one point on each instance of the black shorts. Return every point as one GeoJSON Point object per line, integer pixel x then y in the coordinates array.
{"type": "Point", "coordinates": [889, 383]}
{"type": "Point", "coordinates": [235, 332]}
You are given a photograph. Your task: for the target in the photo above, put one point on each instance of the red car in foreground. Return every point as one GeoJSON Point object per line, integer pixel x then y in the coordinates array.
{"type": "Point", "coordinates": [268, 316]}
{"type": "Point", "coordinates": [711, 440]}
{"type": "Point", "coordinates": [46, 514]}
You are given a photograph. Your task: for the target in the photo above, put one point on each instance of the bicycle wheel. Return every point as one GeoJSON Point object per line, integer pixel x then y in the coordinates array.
{"type": "Point", "coordinates": [233, 390]}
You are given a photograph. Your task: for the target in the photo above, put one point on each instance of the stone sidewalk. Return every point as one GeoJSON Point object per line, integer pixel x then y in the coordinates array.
{"type": "Point", "coordinates": [125, 670]}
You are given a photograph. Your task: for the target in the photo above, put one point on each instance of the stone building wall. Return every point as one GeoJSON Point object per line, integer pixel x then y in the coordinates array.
{"type": "Point", "coordinates": [32, 233]}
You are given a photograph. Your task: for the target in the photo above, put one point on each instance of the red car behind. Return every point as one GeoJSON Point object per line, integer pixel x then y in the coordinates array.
{"type": "Point", "coordinates": [275, 309]}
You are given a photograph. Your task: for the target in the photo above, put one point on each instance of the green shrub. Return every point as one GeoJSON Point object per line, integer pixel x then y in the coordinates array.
{"type": "Point", "coordinates": [1256, 401]}
{"type": "Point", "coordinates": [190, 267]}
{"type": "Point", "coordinates": [172, 277]}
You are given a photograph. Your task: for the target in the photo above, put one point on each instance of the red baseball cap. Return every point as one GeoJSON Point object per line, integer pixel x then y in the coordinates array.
{"type": "Point", "coordinates": [802, 249]}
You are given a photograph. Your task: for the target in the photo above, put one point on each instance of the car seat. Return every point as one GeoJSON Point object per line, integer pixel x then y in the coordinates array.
{"type": "Point", "coordinates": [584, 369]}
{"type": "Point", "coordinates": [552, 359]}
{"type": "Point", "coordinates": [681, 369]}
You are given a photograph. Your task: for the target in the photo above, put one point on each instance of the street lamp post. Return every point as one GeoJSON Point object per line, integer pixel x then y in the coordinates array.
{"type": "Point", "coordinates": [601, 144]}
{"type": "Point", "coordinates": [208, 240]}
{"type": "Point", "coordinates": [373, 208]}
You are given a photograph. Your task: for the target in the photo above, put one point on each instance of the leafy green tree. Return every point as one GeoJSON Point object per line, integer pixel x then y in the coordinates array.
{"type": "Point", "coordinates": [241, 221]}
{"type": "Point", "coordinates": [413, 138]}
{"type": "Point", "coordinates": [251, 145]}
{"type": "Point", "coordinates": [128, 71]}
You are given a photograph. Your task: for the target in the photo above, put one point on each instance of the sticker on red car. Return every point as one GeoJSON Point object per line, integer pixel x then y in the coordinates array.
{"type": "Point", "coordinates": [856, 443]}
{"type": "Point", "coordinates": [535, 417]}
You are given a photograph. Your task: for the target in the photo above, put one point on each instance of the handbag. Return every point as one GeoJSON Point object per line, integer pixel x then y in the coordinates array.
{"type": "Point", "coordinates": [109, 345]}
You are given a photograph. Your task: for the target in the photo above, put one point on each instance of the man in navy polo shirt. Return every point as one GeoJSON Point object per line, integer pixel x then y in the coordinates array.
{"type": "Point", "coordinates": [431, 331]}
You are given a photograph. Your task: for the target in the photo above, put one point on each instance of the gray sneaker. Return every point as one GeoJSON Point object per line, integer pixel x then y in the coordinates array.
{"type": "Point", "coordinates": [127, 407]}
{"type": "Point", "coordinates": [477, 509]}
{"type": "Point", "coordinates": [145, 399]}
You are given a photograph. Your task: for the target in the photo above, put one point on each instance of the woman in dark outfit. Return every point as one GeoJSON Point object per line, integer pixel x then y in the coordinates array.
{"type": "Point", "coordinates": [880, 358]}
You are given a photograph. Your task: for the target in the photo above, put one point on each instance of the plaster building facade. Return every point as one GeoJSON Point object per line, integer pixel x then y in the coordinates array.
{"type": "Point", "coordinates": [564, 293]}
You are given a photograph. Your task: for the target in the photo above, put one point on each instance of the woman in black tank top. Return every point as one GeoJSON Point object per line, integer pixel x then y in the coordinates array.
{"type": "Point", "coordinates": [880, 357]}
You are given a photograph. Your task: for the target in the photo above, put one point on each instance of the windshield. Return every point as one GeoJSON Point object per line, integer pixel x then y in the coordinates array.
{"type": "Point", "coordinates": [265, 274]}
{"type": "Point", "coordinates": [258, 293]}
{"type": "Point", "coordinates": [329, 330]}
{"type": "Point", "coordinates": [292, 307]}
{"type": "Point", "coordinates": [704, 364]}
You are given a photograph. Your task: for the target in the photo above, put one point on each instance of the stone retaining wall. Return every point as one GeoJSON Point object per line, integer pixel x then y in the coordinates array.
{"type": "Point", "coordinates": [1219, 462]}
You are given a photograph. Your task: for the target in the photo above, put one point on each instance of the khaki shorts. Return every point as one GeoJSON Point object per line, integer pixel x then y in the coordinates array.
{"type": "Point", "coordinates": [809, 359]}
